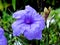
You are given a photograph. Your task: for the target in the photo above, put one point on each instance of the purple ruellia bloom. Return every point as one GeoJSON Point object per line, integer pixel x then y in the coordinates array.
{"type": "Point", "coordinates": [29, 23]}
{"type": "Point", "coordinates": [3, 40]}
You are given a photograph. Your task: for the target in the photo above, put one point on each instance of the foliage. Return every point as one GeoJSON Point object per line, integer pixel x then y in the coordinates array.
{"type": "Point", "coordinates": [51, 34]}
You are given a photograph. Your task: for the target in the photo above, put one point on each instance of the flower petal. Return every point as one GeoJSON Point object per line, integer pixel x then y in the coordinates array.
{"type": "Point", "coordinates": [37, 16]}
{"type": "Point", "coordinates": [29, 35]}
{"type": "Point", "coordinates": [33, 33]}
{"type": "Point", "coordinates": [1, 32]}
{"type": "Point", "coordinates": [30, 10]}
{"type": "Point", "coordinates": [38, 35]}
{"type": "Point", "coordinates": [3, 41]}
{"type": "Point", "coordinates": [19, 14]}
{"type": "Point", "coordinates": [41, 24]}
{"type": "Point", "coordinates": [17, 27]}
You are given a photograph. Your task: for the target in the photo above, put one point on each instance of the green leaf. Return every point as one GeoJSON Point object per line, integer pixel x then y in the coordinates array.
{"type": "Point", "coordinates": [14, 4]}
{"type": "Point", "coordinates": [1, 6]}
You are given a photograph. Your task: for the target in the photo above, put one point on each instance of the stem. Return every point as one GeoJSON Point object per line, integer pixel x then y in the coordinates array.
{"type": "Point", "coordinates": [38, 42]}
{"type": "Point", "coordinates": [47, 36]}
{"type": "Point", "coordinates": [47, 39]}
{"type": "Point", "coordinates": [35, 42]}
{"type": "Point", "coordinates": [21, 41]}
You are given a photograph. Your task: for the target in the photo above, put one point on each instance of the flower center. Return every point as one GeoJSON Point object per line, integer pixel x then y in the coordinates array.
{"type": "Point", "coordinates": [28, 20]}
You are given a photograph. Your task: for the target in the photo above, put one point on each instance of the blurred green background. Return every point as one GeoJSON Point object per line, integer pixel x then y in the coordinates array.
{"type": "Point", "coordinates": [51, 34]}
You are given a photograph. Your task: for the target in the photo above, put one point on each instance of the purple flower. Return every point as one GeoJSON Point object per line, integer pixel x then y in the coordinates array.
{"type": "Point", "coordinates": [3, 40]}
{"type": "Point", "coordinates": [29, 23]}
